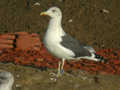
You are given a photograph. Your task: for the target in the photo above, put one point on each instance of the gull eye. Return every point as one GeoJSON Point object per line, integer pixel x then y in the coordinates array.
{"type": "Point", "coordinates": [53, 10]}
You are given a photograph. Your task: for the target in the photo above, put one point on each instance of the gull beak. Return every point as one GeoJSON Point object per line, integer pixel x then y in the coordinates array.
{"type": "Point", "coordinates": [43, 14]}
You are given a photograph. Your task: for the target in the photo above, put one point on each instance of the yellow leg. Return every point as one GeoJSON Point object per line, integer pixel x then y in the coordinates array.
{"type": "Point", "coordinates": [59, 69]}
{"type": "Point", "coordinates": [62, 67]}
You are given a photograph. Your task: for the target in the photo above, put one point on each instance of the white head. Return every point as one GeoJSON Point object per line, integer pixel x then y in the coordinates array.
{"type": "Point", "coordinates": [6, 80]}
{"type": "Point", "coordinates": [53, 12]}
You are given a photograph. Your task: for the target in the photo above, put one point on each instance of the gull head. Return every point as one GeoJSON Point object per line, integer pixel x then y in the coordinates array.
{"type": "Point", "coordinates": [6, 79]}
{"type": "Point", "coordinates": [53, 12]}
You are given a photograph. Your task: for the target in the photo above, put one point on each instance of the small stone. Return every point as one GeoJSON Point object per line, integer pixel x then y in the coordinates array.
{"type": "Point", "coordinates": [17, 85]}
{"type": "Point", "coordinates": [37, 4]}
{"type": "Point", "coordinates": [17, 76]}
{"type": "Point", "coordinates": [60, 0]}
{"type": "Point", "coordinates": [53, 79]}
{"type": "Point", "coordinates": [70, 20]}
{"type": "Point", "coordinates": [105, 11]}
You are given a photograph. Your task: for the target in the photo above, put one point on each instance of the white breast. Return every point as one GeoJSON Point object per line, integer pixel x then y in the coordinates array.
{"type": "Point", "coordinates": [52, 43]}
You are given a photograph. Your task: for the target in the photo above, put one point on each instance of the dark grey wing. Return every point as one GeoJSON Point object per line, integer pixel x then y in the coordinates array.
{"type": "Point", "coordinates": [75, 46]}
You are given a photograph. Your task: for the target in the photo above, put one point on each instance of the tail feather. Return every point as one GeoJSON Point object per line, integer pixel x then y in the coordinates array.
{"type": "Point", "coordinates": [99, 58]}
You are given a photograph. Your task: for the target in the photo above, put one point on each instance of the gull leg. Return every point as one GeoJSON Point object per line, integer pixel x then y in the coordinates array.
{"type": "Point", "coordinates": [59, 69]}
{"type": "Point", "coordinates": [62, 67]}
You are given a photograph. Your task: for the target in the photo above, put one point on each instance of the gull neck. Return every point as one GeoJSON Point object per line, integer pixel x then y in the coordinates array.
{"type": "Point", "coordinates": [56, 22]}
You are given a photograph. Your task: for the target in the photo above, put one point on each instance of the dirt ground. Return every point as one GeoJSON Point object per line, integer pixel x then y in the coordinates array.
{"type": "Point", "coordinates": [95, 22]}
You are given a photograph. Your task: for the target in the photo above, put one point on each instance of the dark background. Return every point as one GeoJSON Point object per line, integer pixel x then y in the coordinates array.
{"type": "Point", "coordinates": [94, 22]}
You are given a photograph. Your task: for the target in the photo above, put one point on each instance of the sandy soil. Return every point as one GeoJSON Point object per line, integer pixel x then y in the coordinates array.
{"type": "Point", "coordinates": [95, 22]}
{"type": "Point", "coordinates": [27, 78]}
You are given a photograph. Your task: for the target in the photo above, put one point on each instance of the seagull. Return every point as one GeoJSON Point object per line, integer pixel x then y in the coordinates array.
{"type": "Point", "coordinates": [62, 45]}
{"type": "Point", "coordinates": [6, 80]}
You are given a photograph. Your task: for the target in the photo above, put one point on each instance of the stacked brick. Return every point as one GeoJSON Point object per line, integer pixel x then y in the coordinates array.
{"type": "Point", "coordinates": [26, 49]}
